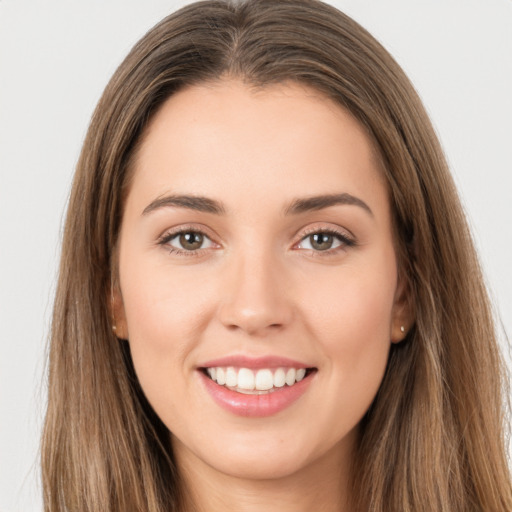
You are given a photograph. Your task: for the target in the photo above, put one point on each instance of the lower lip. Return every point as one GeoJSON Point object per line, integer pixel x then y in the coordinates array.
{"type": "Point", "coordinates": [256, 406]}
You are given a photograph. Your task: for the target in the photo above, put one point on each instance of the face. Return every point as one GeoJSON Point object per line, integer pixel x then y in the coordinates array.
{"type": "Point", "coordinates": [257, 277]}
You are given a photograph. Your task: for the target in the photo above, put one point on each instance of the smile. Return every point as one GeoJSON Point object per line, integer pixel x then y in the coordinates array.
{"type": "Point", "coordinates": [255, 387]}
{"type": "Point", "coordinates": [255, 382]}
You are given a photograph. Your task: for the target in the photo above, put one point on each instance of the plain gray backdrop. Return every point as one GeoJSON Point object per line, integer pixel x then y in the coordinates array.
{"type": "Point", "coordinates": [57, 56]}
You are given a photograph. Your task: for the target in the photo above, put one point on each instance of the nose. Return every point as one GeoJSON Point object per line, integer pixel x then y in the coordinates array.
{"type": "Point", "coordinates": [256, 297]}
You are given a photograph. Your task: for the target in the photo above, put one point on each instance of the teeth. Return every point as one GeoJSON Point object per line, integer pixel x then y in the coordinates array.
{"type": "Point", "coordinates": [245, 380]}
{"type": "Point", "coordinates": [264, 380]}
{"type": "Point", "coordinates": [301, 373]}
{"type": "Point", "coordinates": [221, 376]}
{"type": "Point", "coordinates": [231, 378]}
{"type": "Point", "coordinates": [290, 376]}
{"type": "Point", "coordinates": [279, 378]}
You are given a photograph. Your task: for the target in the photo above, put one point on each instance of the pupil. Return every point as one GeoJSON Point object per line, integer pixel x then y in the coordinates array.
{"type": "Point", "coordinates": [191, 241]}
{"type": "Point", "coordinates": [321, 241]}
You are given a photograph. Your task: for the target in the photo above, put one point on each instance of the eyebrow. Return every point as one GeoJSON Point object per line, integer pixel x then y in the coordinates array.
{"type": "Point", "coordinates": [324, 201]}
{"type": "Point", "coordinates": [297, 206]}
{"type": "Point", "coordinates": [198, 203]}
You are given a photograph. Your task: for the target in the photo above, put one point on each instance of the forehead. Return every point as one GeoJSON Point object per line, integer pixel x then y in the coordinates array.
{"type": "Point", "coordinates": [285, 137]}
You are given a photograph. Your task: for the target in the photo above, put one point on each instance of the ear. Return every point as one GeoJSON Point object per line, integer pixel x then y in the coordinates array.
{"type": "Point", "coordinates": [117, 313]}
{"type": "Point", "coordinates": [402, 317]}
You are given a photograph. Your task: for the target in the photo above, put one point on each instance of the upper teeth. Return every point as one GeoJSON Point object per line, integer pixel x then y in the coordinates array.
{"type": "Point", "coordinates": [245, 379]}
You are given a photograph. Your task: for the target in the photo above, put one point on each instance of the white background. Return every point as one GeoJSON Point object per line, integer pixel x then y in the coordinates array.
{"type": "Point", "coordinates": [56, 58]}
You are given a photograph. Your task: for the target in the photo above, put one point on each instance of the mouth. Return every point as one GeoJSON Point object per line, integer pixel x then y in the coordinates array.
{"type": "Point", "coordinates": [256, 387]}
{"type": "Point", "coordinates": [261, 381]}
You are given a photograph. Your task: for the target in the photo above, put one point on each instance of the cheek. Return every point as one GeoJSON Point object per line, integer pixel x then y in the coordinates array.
{"type": "Point", "coordinates": [350, 317]}
{"type": "Point", "coordinates": [164, 314]}
{"type": "Point", "coordinates": [162, 306]}
{"type": "Point", "coordinates": [352, 303]}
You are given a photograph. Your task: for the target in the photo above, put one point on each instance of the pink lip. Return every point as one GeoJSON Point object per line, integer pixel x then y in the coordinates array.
{"type": "Point", "coordinates": [255, 406]}
{"type": "Point", "coordinates": [254, 363]}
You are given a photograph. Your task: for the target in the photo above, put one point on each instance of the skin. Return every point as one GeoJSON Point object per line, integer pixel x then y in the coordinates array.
{"type": "Point", "coordinates": [259, 288]}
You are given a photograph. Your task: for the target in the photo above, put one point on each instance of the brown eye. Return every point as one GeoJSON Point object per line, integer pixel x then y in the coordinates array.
{"type": "Point", "coordinates": [325, 241]}
{"type": "Point", "coordinates": [191, 240]}
{"type": "Point", "coordinates": [187, 242]}
{"type": "Point", "coordinates": [321, 241]}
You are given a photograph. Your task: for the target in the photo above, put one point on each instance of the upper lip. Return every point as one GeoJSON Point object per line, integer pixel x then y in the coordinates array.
{"type": "Point", "coordinates": [241, 361]}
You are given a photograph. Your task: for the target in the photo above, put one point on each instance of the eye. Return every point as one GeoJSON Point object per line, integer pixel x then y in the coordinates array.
{"type": "Point", "coordinates": [187, 241]}
{"type": "Point", "coordinates": [324, 241]}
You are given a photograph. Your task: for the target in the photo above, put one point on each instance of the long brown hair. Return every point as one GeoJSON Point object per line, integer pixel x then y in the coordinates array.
{"type": "Point", "coordinates": [434, 437]}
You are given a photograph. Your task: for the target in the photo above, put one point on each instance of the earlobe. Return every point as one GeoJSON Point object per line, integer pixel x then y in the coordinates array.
{"type": "Point", "coordinates": [398, 333]}
{"type": "Point", "coordinates": [117, 313]}
{"type": "Point", "coordinates": [402, 317]}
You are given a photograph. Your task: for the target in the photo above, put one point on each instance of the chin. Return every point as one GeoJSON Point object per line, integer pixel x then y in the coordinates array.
{"type": "Point", "coordinates": [263, 454]}
{"type": "Point", "coordinates": [258, 467]}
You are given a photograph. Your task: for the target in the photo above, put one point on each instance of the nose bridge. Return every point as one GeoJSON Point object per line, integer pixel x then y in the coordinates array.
{"type": "Point", "coordinates": [256, 298]}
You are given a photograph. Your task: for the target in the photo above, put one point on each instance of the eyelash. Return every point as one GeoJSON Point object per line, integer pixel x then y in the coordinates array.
{"type": "Point", "coordinates": [345, 240]}
{"type": "Point", "coordinates": [167, 237]}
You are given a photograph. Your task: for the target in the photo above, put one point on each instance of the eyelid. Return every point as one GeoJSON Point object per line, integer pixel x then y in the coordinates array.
{"type": "Point", "coordinates": [184, 228]}
{"type": "Point", "coordinates": [346, 238]}
{"type": "Point", "coordinates": [171, 233]}
{"type": "Point", "coordinates": [344, 235]}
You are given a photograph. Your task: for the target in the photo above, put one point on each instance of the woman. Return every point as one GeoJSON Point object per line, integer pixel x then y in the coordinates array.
{"type": "Point", "coordinates": [268, 294]}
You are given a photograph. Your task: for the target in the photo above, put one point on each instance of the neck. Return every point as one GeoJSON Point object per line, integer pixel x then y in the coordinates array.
{"type": "Point", "coordinates": [322, 486]}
